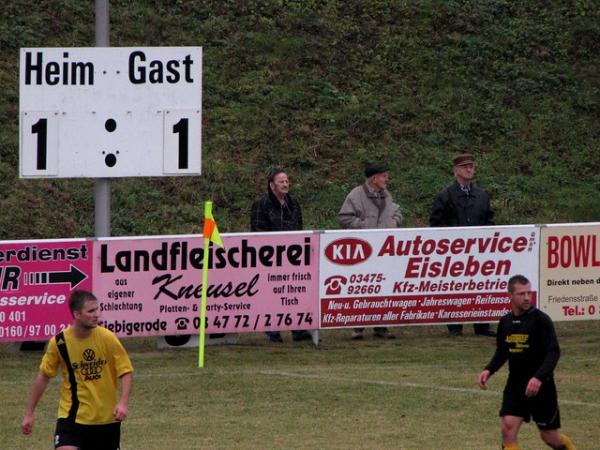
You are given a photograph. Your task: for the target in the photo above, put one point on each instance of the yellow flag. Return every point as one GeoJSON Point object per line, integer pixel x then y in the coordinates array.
{"type": "Point", "coordinates": [211, 234]}
{"type": "Point", "coordinates": [211, 231]}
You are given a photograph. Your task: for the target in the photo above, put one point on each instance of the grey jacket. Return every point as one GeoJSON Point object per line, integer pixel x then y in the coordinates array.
{"type": "Point", "coordinates": [366, 208]}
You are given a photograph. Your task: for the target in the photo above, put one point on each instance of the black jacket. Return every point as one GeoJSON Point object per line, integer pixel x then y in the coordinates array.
{"type": "Point", "coordinates": [454, 208]}
{"type": "Point", "coordinates": [268, 214]}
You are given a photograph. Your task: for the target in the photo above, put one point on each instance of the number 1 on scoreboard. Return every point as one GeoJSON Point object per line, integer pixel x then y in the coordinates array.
{"type": "Point", "coordinates": [39, 143]}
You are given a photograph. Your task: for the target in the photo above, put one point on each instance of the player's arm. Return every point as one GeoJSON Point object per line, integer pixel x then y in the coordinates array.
{"type": "Point", "coordinates": [550, 348]}
{"type": "Point", "coordinates": [497, 361]}
{"type": "Point", "coordinates": [483, 377]}
{"type": "Point", "coordinates": [494, 365]}
{"type": "Point", "coordinates": [551, 351]}
{"type": "Point", "coordinates": [122, 407]}
{"type": "Point", "coordinates": [38, 389]}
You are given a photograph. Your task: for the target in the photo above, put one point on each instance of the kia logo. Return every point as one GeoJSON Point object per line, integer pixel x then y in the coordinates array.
{"type": "Point", "coordinates": [348, 251]}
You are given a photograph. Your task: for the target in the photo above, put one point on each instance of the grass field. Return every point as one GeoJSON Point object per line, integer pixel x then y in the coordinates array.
{"type": "Point", "coordinates": [416, 392]}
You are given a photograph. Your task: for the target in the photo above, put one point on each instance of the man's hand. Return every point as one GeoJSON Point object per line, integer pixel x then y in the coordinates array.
{"type": "Point", "coordinates": [483, 377]}
{"type": "Point", "coordinates": [27, 424]}
{"type": "Point", "coordinates": [533, 387]}
{"type": "Point", "coordinates": [120, 412]}
{"type": "Point", "coordinates": [39, 386]}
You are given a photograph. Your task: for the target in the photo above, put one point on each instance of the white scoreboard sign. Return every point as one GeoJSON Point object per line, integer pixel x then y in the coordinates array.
{"type": "Point", "coordinates": [110, 112]}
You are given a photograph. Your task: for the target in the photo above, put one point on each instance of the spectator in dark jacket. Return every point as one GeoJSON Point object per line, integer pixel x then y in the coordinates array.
{"type": "Point", "coordinates": [277, 210]}
{"type": "Point", "coordinates": [462, 204]}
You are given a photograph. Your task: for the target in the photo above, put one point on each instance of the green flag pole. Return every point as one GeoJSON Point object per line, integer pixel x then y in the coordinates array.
{"type": "Point", "coordinates": [207, 213]}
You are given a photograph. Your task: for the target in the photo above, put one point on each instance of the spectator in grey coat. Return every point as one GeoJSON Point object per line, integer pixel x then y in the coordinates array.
{"type": "Point", "coordinates": [370, 205]}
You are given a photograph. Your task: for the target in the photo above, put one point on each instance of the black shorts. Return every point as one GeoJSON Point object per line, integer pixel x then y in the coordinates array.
{"type": "Point", "coordinates": [543, 407]}
{"type": "Point", "coordinates": [87, 437]}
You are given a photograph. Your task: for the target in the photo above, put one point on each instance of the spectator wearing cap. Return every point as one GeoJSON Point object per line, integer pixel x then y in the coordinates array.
{"type": "Point", "coordinates": [462, 204]}
{"type": "Point", "coordinates": [370, 205]}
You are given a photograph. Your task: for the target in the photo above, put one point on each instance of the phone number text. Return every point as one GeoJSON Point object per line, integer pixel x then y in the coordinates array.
{"type": "Point", "coordinates": [260, 321]}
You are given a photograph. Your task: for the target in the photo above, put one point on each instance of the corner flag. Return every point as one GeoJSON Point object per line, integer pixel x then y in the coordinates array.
{"type": "Point", "coordinates": [211, 234]}
{"type": "Point", "coordinates": [211, 231]}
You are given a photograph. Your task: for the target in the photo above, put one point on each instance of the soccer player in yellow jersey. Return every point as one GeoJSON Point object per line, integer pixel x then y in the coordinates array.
{"type": "Point", "coordinates": [92, 360]}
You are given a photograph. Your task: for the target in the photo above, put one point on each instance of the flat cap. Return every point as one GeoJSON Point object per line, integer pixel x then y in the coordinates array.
{"type": "Point", "coordinates": [375, 168]}
{"type": "Point", "coordinates": [463, 159]}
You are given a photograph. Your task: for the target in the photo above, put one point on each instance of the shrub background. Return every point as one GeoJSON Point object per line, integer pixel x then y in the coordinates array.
{"type": "Point", "coordinates": [323, 87]}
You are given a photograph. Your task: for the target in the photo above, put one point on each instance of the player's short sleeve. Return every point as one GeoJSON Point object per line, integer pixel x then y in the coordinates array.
{"type": "Point", "coordinates": [120, 357]}
{"type": "Point", "coordinates": [51, 360]}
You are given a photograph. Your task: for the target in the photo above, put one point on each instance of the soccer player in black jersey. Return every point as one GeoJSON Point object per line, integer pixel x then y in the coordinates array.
{"type": "Point", "coordinates": [526, 338]}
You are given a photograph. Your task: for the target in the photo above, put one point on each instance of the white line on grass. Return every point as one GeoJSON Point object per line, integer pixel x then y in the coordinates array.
{"type": "Point", "coordinates": [363, 381]}
{"type": "Point", "coordinates": [375, 382]}
{"type": "Point", "coordinates": [280, 373]}
{"type": "Point", "coordinates": [407, 384]}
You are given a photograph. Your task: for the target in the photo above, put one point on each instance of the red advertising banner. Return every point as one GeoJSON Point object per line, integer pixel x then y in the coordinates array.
{"type": "Point", "coordinates": [422, 276]}
{"type": "Point", "coordinates": [36, 278]}
{"type": "Point", "coordinates": [257, 282]}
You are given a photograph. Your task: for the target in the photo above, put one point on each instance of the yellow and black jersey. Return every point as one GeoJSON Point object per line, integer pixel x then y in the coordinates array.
{"type": "Point", "coordinates": [530, 345]}
{"type": "Point", "coordinates": [88, 393]}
